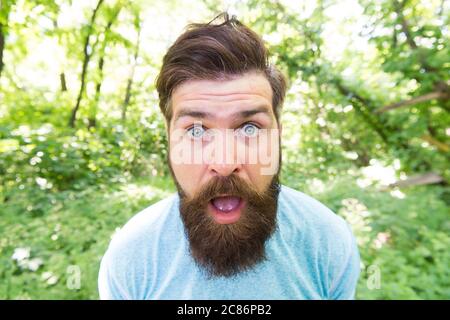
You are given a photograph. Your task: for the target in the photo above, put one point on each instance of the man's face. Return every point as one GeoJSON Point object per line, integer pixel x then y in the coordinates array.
{"type": "Point", "coordinates": [224, 156]}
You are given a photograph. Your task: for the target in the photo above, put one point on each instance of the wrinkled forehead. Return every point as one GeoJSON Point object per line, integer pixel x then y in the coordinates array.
{"type": "Point", "coordinates": [222, 95]}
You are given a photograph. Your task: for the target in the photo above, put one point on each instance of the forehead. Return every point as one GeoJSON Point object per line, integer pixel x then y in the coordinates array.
{"type": "Point", "coordinates": [223, 96]}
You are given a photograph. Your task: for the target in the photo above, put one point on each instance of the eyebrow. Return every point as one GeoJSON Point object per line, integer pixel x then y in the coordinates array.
{"type": "Point", "coordinates": [205, 114]}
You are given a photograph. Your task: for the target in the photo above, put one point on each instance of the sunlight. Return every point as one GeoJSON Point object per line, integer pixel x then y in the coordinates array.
{"type": "Point", "coordinates": [378, 173]}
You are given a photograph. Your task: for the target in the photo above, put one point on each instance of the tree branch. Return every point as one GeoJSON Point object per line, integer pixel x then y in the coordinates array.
{"type": "Point", "coordinates": [438, 144]}
{"type": "Point", "coordinates": [427, 178]}
{"type": "Point", "coordinates": [422, 98]}
{"type": "Point", "coordinates": [405, 25]}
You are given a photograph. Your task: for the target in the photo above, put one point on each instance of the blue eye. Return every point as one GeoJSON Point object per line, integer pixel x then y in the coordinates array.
{"type": "Point", "coordinates": [196, 132]}
{"type": "Point", "coordinates": [249, 130]}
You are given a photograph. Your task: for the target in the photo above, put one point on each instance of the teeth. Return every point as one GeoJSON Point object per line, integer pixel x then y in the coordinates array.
{"type": "Point", "coordinates": [226, 204]}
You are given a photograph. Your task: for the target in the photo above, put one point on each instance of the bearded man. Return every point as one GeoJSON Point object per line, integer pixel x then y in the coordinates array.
{"type": "Point", "coordinates": [232, 231]}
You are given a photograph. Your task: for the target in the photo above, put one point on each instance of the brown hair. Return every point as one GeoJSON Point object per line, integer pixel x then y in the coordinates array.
{"type": "Point", "coordinates": [214, 52]}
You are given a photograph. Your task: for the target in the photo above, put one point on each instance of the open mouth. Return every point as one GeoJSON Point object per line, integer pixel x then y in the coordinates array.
{"type": "Point", "coordinates": [226, 209]}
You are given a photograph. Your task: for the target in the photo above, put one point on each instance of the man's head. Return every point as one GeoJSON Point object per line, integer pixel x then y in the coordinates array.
{"type": "Point", "coordinates": [221, 100]}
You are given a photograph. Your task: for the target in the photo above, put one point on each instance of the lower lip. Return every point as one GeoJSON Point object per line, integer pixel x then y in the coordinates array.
{"type": "Point", "coordinates": [226, 217]}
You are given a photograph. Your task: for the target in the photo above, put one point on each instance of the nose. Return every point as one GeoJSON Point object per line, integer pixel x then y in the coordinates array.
{"type": "Point", "coordinates": [224, 159]}
{"type": "Point", "coordinates": [224, 169]}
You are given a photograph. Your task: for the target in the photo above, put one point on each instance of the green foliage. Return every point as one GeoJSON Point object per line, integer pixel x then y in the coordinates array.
{"type": "Point", "coordinates": [72, 228]}
{"type": "Point", "coordinates": [405, 239]}
{"type": "Point", "coordinates": [64, 190]}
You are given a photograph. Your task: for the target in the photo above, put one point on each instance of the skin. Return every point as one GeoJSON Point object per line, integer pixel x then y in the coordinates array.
{"type": "Point", "coordinates": [219, 105]}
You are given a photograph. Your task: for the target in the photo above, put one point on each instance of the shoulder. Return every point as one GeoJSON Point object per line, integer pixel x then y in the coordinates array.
{"type": "Point", "coordinates": [306, 213]}
{"type": "Point", "coordinates": [149, 219]}
{"type": "Point", "coordinates": [325, 237]}
{"type": "Point", "coordinates": [144, 227]}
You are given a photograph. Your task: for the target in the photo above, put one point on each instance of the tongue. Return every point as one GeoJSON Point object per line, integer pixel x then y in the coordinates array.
{"type": "Point", "coordinates": [226, 204]}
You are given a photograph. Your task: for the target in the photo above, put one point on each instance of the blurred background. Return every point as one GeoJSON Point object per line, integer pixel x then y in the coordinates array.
{"type": "Point", "coordinates": [366, 130]}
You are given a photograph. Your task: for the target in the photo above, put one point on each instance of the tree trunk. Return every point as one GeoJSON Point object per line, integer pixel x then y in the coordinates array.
{"type": "Point", "coordinates": [2, 47]}
{"type": "Point", "coordinates": [127, 98]}
{"type": "Point", "coordinates": [5, 8]}
{"type": "Point", "coordinates": [62, 79]}
{"type": "Point", "coordinates": [92, 117]}
{"type": "Point", "coordinates": [86, 57]}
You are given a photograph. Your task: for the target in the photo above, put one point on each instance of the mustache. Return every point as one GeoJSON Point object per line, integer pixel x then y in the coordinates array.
{"type": "Point", "coordinates": [231, 185]}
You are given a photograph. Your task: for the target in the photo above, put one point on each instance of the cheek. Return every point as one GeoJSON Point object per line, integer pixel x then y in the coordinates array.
{"type": "Point", "coordinates": [264, 159]}
{"type": "Point", "coordinates": [260, 181]}
{"type": "Point", "coordinates": [263, 151]}
{"type": "Point", "coordinates": [187, 175]}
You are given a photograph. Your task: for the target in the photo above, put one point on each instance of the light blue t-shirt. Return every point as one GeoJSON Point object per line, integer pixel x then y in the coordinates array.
{"type": "Point", "coordinates": [311, 255]}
